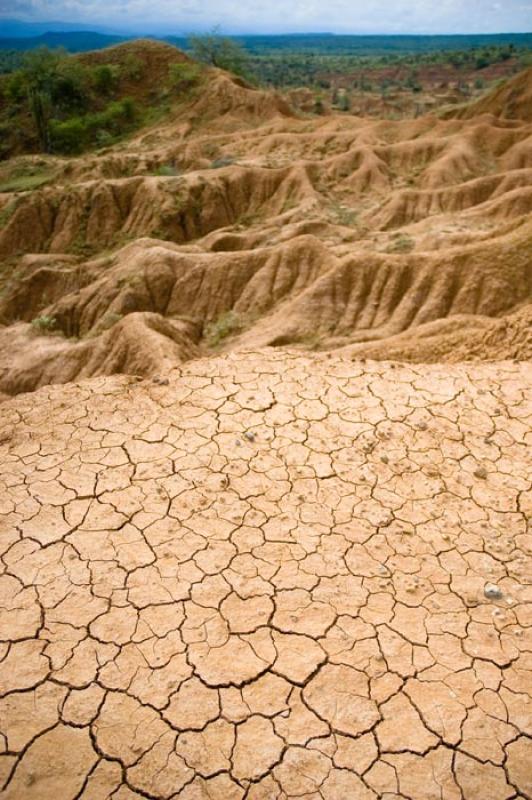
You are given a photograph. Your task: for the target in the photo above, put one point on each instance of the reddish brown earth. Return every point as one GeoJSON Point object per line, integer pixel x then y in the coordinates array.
{"type": "Point", "coordinates": [387, 94]}
{"type": "Point", "coordinates": [265, 466]}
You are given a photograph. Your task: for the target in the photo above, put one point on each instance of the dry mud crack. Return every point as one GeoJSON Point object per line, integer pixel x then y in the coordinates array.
{"type": "Point", "coordinates": [268, 576]}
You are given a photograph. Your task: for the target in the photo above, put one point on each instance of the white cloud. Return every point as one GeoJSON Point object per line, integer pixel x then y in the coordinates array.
{"type": "Point", "coordinates": [341, 16]}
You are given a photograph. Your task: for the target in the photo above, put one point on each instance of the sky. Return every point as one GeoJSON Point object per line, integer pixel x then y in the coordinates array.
{"type": "Point", "coordinates": [277, 16]}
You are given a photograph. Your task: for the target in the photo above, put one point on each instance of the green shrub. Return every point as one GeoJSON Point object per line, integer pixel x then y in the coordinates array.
{"type": "Point", "coordinates": [183, 75]}
{"type": "Point", "coordinates": [344, 104]}
{"type": "Point", "coordinates": [105, 78]}
{"type": "Point", "coordinates": [126, 108]}
{"type": "Point", "coordinates": [15, 88]}
{"type": "Point", "coordinates": [110, 319]}
{"type": "Point", "coordinates": [167, 171]}
{"type": "Point", "coordinates": [69, 89]}
{"type": "Point", "coordinates": [44, 324]}
{"type": "Point", "coordinates": [104, 138]}
{"type": "Point", "coordinates": [225, 161]}
{"type": "Point", "coordinates": [227, 323]}
{"type": "Point", "coordinates": [74, 134]}
{"type": "Point", "coordinates": [343, 215]}
{"type": "Point", "coordinates": [402, 244]}
{"type": "Point", "coordinates": [133, 68]}
{"type": "Point", "coordinates": [70, 136]}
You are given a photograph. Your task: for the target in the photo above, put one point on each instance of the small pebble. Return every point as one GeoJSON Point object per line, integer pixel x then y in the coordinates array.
{"type": "Point", "coordinates": [481, 473]}
{"type": "Point", "coordinates": [492, 592]}
{"type": "Point", "coordinates": [249, 436]}
{"type": "Point", "coordinates": [385, 459]}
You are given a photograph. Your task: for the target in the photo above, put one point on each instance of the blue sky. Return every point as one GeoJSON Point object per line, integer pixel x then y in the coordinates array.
{"type": "Point", "coordinates": [273, 16]}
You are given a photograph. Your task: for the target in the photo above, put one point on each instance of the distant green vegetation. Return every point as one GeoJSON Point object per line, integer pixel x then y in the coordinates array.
{"type": "Point", "coordinates": [289, 60]}
{"type": "Point", "coordinates": [301, 68]}
{"type": "Point", "coordinates": [10, 60]}
{"type": "Point", "coordinates": [346, 44]}
{"type": "Point", "coordinates": [324, 44]}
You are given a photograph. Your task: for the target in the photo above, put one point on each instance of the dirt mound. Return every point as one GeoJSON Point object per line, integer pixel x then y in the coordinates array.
{"type": "Point", "coordinates": [455, 339]}
{"type": "Point", "coordinates": [148, 61]}
{"type": "Point", "coordinates": [266, 576]}
{"type": "Point", "coordinates": [228, 96]}
{"type": "Point", "coordinates": [143, 63]}
{"type": "Point", "coordinates": [219, 94]}
{"type": "Point", "coordinates": [511, 100]}
{"type": "Point", "coordinates": [140, 344]}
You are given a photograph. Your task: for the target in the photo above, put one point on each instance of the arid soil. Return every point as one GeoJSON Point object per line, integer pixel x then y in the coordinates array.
{"type": "Point", "coordinates": [265, 463]}
{"type": "Point", "coordinates": [269, 576]}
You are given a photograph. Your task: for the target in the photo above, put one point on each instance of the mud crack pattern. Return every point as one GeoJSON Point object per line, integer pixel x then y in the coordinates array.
{"type": "Point", "coordinates": [265, 578]}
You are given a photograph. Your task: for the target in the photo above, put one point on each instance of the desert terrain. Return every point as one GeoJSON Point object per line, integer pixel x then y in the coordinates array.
{"type": "Point", "coordinates": [265, 455]}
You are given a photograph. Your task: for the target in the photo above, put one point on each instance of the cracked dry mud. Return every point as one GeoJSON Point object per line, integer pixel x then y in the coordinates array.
{"type": "Point", "coordinates": [266, 579]}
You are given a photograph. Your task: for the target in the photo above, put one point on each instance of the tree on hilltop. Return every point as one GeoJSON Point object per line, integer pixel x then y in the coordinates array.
{"type": "Point", "coordinates": [220, 51]}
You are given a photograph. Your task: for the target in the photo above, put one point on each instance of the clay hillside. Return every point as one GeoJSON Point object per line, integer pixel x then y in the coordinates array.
{"type": "Point", "coordinates": [265, 464]}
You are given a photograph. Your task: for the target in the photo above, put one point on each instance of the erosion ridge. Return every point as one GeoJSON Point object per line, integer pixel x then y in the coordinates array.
{"type": "Point", "coordinates": [327, 232]}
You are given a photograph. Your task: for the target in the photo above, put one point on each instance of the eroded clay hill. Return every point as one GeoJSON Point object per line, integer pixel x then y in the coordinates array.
{"type": "Point", "coordinates": [238, 223]}
{"type": "Point", "coordinates": [268, 576]}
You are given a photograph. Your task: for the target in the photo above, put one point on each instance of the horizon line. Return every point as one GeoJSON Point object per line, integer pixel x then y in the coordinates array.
{"type": "Point", "coordinates": [85, 28]}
